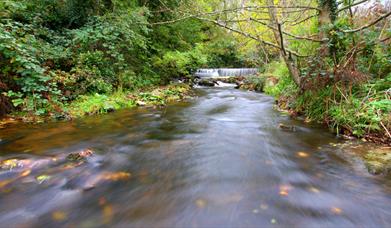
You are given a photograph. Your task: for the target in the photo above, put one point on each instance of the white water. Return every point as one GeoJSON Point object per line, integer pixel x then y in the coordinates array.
{"type": "Point", "coordinates": [225, 72]}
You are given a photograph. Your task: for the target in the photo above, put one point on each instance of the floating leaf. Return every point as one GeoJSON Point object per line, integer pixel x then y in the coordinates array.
{"type": "Point", "coordinates": [25, 173]}
{"type": "Point", "coordinates": [108, 213]}
{"type": "Point", "coordinates": [336, 210]}
{"type": "Point", "coordinates": [116, 176]}
{"type": "Point", "coordinates": [9, 164]}
{"type": "Point", "coordinates": [59, 216]}
{"type": "Point", "coordinates": [302, 154]}
{"type": "Point", "coordinates": [200, 203]}
{"type": "Point", "coordinates": [284, 190]}
{"type": "Point", "coordinates": [314, 190]}
{"type": "Point", "coordinates": [264, 206]}
{"type": "Point", "coordinates": [43, 178]}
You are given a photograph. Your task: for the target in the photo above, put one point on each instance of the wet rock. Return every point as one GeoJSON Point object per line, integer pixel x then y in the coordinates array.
{"type": "Point", "coordinates": [81, 155]}
{"type": "Point", "coordinates": [287, 127]}
{"type": "Point", "coordinates": [207, 82]}
{"type": "Point", "coordinates": [378, 161]}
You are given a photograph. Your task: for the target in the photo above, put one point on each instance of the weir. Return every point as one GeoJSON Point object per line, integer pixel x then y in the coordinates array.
{"type": "Point", "coordinates": [225, 72]}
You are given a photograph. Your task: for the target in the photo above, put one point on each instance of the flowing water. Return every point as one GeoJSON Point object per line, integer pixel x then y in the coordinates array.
{"type": "Point", "coordinates": [219, 160]}
{"type": "Point", "coordinates": [225, 72]}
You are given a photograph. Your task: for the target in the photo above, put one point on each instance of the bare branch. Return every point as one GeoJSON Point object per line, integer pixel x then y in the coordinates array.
{"type": "Point", "coordinates": [305, 19]}
{"type": "Point", "coordinates": [250, 36]}
{"type": "Point", "coordinates": [286, 33]}
{"type": "Point", "coordinates": [368, 25]}
{"type": "Point", "coordinates": [351, 5]}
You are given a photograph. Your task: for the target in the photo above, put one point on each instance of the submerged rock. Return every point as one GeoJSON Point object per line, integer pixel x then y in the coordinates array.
{"type": "Point", "coordinates": [378, 161]}
{"type": "Point", "coordinates": [287, 127]}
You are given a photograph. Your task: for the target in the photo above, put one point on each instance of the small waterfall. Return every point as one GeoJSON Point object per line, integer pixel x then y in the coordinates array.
{"type": "Point", "coordinates": [225, 72]}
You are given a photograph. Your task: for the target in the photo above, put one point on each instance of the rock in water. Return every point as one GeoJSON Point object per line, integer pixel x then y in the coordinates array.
{"type": "Point", "coordinates": [207, 82]}
{"type": "Point", "coordinates": [286, 127]}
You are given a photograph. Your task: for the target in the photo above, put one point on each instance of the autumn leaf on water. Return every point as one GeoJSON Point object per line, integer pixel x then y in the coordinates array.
{"type": "Point", "coordinates": [42, 178]}
{"type": "Point", "coordinates": [263, 206]}
{"type": "Point", "coordinates": [200, 203]}
{"type": "Point", "coordinates": [302, 154]}
{"type": "Point", "coordinates": [59, 216]}
{"type": "Point", "coordinates": [284, 190]}
{"type": "Point", "coordinates": [313, 189]}
{"type": "Point", "coordinates": [336, 210]}
{"type": "Point", "coordinates": [116, 176]}
{"type": "Point", "coordinates": [9, 164]}
{"type": "Point", "coordinates": [108, 213]}
{"type": "Point", "coordinates": [106, 176]}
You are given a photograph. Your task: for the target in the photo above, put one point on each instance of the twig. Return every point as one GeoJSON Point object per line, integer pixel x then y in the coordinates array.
{"type": "Point", "coordinates": [368, 25]}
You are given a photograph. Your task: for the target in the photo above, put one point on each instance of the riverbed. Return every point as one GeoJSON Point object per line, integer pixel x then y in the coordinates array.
{"type": "Point", "coordinates": [218, 160]}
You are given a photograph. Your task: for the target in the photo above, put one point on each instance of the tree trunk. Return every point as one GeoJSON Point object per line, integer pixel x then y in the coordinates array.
{"type": "Point", "coordinates": [278, 35]}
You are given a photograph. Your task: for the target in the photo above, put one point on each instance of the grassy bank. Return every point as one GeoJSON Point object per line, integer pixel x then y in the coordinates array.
{"type": "Point", "coordinates": [104, 103]}
{"type": "Point", "coordinates": [363, 110]}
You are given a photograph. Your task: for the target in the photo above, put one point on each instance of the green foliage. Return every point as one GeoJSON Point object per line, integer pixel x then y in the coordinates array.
{"type": "Point", "coordinates": [98, 104]}
{"type": "Point", "coordinates": [101, 103]}
{"type": "Point", "coordinates": [177, 64]}
{"type": "Point", "coordinates": [285, 84]}
{"type": "Point", "coordinates": [55, 52]}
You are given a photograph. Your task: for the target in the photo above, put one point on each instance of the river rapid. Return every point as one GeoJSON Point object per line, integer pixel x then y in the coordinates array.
{"type": "Point", "coordinates": [218, 160]}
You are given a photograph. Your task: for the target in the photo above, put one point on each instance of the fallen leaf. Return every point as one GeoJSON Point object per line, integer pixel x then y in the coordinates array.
{"type": "Point", "coordinates": [313, 189]}
{"type": "Point", "coordinates": [336, 210]}
{"type": "Point", "coordinates": [273, 221]}
{"type": "Point", "coordinates": [107, 214]}
{"type": "Point", "coordinates": [284, 193]}
{"type": "Point", "coordinates": [302, 154]}
{"type": "Point", "coordinates": [102, 201]}
{"type": "Point", "coordinates": [43, 178]}
{"type": "Point", "coordinates": [9, 164]}
{"type": "Point", "coordinates": [25, 173]}
{"type": "Point", "coordinates": [59, 216]}
{"type": "Point", "coordinates": [284, 190]}
{"type": "Point", "coordinates": [264, 206]}
{"type": "Point", "coordinates": [116, 176]}
{"type": "Point", "coordinates": [201, 203]}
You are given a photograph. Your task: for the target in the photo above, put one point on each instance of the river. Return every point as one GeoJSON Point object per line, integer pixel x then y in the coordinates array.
{"type": "Point", "coordinates": [218, 160]}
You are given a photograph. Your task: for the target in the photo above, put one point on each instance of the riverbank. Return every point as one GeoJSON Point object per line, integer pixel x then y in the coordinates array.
{"type": "Point", "coordinates": [94, 104]}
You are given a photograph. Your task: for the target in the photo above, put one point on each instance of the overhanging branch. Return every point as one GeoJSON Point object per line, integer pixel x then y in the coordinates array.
{"type": "Point", "coordinates": [369, 24]}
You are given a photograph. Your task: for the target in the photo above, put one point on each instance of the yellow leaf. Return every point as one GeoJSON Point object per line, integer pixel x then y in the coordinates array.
{"type": "Point", "coordinates": [336, 210]}
{"type": "Point", "coordinates": [59, 216]}
{"type": "Point", "coordinates": [284, 190]}
{"type": "Point", "coordinates": [107, 214]}
{"type": "Point", "coordinates": [25, 173]}
{"type": "Point", "coordinates": [314, 190]}
{"type": "Point", "coordinates": [302, 154]}
{"type": "Point", "coordinates": [201, 203]}
{"type": "Point", "coordinates": [116, 176]}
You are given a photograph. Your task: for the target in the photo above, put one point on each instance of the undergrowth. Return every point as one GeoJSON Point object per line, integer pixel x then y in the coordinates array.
{"type": "Point", "coordinates": [361, 110]}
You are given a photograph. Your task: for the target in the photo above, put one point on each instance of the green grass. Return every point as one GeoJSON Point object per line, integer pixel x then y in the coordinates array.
{"type": "Point", "coordinates": [102, 103]}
